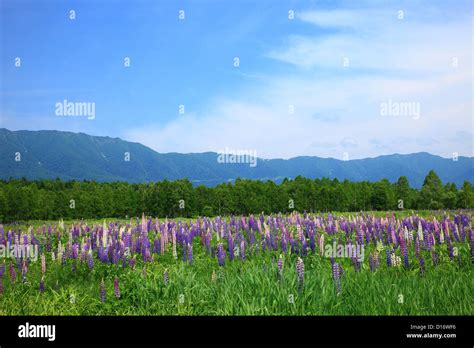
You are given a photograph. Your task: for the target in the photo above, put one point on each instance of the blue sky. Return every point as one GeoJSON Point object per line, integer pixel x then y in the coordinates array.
{"type": "Point", "coordinates": [422, 56]}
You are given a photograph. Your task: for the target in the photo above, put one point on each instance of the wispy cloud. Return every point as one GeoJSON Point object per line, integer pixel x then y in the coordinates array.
{"type": "Point", "coordinates": [337, 107]}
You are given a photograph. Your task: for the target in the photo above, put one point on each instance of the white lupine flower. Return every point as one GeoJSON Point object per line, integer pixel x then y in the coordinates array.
{"type": "Point", "coordinates": [420, 231]}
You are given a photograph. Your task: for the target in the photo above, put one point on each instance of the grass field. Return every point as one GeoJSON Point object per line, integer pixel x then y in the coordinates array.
{"type": "Point", "coordinates": [426, 271]}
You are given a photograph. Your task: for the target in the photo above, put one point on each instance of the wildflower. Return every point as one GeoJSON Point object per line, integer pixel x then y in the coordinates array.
{"type": "Point", "coordinates": [300, 271]}
{"type": "Point", "coordinates": [41, 287]}
{"type": "Point", "coordinates": [166, 277]}
{"type": "Point", "coordinates": [284, 244]}
{"type": "Point", "coordinates": [389, 258]}
{"type": "Point", "coordinates": [371, 263]}
{"type": "Point", "coordinates": [450, 248]}
{"type": "Point", "coordinates": [230, 247]}
{"type": "Point", "coordinates": [185, 254]}
{"type": "Point", "coordinates": [220, 254]}
{"type": "Point", "coordinates": [280, 267]}
{"type": "Point", "coordinates": [43, 264]}
{"type": "Point", "coordinates": [175, 253]}
{"type": "Point", "coordinates": [132, 262]}
{"type": "Point", "coordinates": [102, 294]}
{"type": "Point", "coordinates": [417, 247]}
{"type": "Point", "coordinates": [116, 287]}
{"type": "Point", "coordinates": [190, 253]}
{"type": "Point", "coordinates": [214, 276]}
{"type": "Point", "coordinates": [422, 265]}
{"type": "Point", "coordinates": [404, 250]}
{"type": "Point", "coordinates": [12, 273]}
{"type": "Point", "coordinates": [90, 260]}
{"type": "Point", "coordinates": [24, 270]}
{"type": "Point", "coordinates": [397, 260]}
{"type": "Point", "coordinates": [321, 244]}
{"type": "Point", "coordinates": [336, 275]}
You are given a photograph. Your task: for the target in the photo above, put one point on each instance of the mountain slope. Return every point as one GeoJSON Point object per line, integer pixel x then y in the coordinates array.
{"type": "Point", "coordinates": [52, 154]}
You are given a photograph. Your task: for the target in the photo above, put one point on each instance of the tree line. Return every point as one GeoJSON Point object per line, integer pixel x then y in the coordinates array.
{"type": "Point", "coordinates": [21, 199]}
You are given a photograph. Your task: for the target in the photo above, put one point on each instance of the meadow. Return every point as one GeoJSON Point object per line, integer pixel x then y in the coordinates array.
{"type": "Point", "coordinates": [410, 263]}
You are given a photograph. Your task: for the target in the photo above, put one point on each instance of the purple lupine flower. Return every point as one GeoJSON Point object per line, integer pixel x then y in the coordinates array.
{"type": "Point", "coordinates": [166, 277]}
{"type": "Point", "coordinates": [371, 263]}
{"type": "Point", "coordinates": [190, 254]}
{"type": "Point", "coordinates": [404, 250]}
{"type": "Point", "coordinates": [185, 254]}
{"type": "Point", "coordinates": [336, 274]}
{"type": "Point", "coordinates": [157, 246]}
{"type": "Point", "coordinates": [389, 257]}
{"type": "Point", "coordinates": [280, 267]}
{"type": "Point", "coordinates": [303, 247]}
{"type": "Point", "coordinates": [12, 273]}
{"type": "Point", "coordinates": [417, 247]}
{"type": "Point", "coordinates": [230, 247]}
{"type": "Point", "coordinates": [132, 262]}
{"type": "Point", "coordinates": [242, 249]}
{"type": "Point", "coordinates": [422, 265]}
{"type": "Point", "coordinates": [220, 254]}
{"type": "Point", "coordinates": [300, 272]}
{"type": "Point", "coordinates": [116, 287]}
{"type": "Point", "coordinates": [450, 248]}
{"type": "Point", "coordinates": [284, 244]}
{"type": "Point", "coordinates": [102, 293]}
{"type": "Point", "coordinates": [90, 260]}
{"type": "Point", "coordinates": [41, 287]}
{"type": "Point", "coordinates": [312, 243]}
{"type": "Point", "coordinates": [124, 261]}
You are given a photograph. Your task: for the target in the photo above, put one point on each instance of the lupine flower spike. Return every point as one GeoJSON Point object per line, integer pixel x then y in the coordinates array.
{"type": "Point", "coordinates": [116, 287]}
{"type": "Point", "coordinates": [41, 287]}
{"type": "Point", "coordinates": [300, 272]}
{"type": "Point", "coordinates": [102, 291]}
{"type": "Point", "coordinates": [280, 268]}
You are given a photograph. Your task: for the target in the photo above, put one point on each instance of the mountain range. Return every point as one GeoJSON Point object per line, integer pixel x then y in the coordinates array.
{"type": "Point", "coordinates": [49, 154]}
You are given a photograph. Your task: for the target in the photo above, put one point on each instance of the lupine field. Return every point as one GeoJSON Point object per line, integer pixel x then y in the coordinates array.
{"type": "Point", "coordinates": [406, 264]}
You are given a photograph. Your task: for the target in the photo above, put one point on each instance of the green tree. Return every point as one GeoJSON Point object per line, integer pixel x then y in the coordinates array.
{"type": "Point", "coordinates": [466, 196]}
{"type": "Point", "coordinates": [432, 191]}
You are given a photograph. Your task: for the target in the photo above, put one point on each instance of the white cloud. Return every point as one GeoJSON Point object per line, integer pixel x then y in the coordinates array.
{"type": "Point", "coordinates": [337, 109]}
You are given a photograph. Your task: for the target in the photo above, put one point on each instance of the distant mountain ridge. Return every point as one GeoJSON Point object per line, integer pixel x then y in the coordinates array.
{"type": "Point", "coordinates": [51, 154]}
